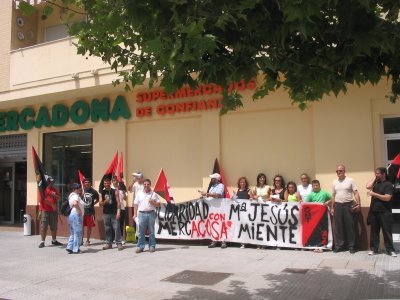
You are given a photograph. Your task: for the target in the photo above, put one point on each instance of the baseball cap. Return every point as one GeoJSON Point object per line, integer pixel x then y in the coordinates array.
{"type": "Point", "coordinates": [216, 176]}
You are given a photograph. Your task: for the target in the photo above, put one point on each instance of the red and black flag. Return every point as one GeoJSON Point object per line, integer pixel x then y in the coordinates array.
{"type": "Point", "coordinates": [120, 171]}
{"type": "Point", "coordinates": [315, 225]}
{"type": "Point", "coordinates": [112, 168]}
{"type": "Point", "coordinates": [162, 187]}
{"type": "Point", "coordinates": [217, 169]}
{"type": "Point", "coordinates": [41, 175]}
{"type": "Point", "coordinates": [394, 169]}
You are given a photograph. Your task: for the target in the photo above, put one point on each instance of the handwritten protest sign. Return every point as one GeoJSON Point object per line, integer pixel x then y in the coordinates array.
{"type": "Point", "coordinates": [292, 225]}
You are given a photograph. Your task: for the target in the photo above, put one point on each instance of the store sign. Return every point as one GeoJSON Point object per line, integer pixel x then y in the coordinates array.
{"type": "Point", "coordinates": [205, 97]}
{"type": "Point", "coordinates": [292, 225]}
{"type": "Point", "coordinates": [59, 114]}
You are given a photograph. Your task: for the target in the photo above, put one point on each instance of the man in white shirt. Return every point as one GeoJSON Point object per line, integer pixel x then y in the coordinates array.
{"type": "Point", "coordinates": [145, 205]}
{"type": "Point", "coordinates": [344, 192]}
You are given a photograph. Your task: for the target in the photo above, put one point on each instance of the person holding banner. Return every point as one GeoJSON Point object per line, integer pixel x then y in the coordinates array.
{"type": "Point", "coordinates": [215, 190]}
{"type": "Point", "coordinates": [48, 214]}
{"type": "Point", "coordinates": [317, 195]}
{"type": "Point", "coordinates": [261, 190]}
{"type": "Point", "coordinates": [277, 193]}
{"type": "Point", "coordinates": [304, 188]}
{"type": "Point", "coordinates": [291, 194]}
{"type": "Point", "coordinates": [145, 205]}
{"type": "Point", "coordinates": [91, 197]}
{"type": "Point", "coordinates": [243, 192]}
{"type": "Point", "coordinates": [380, 211]}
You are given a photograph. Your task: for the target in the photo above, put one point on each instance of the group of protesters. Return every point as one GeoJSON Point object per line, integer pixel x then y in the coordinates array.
{"type": "Point", "coordinates": [343, 203]}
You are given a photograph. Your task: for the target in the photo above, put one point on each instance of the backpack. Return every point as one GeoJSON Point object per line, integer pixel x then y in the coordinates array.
{"type": "Point", "coordinates": [65, 208]}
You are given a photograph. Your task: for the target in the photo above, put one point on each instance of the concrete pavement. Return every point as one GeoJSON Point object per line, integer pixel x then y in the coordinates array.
{"type": "Point", "coordinates": [188, 271]}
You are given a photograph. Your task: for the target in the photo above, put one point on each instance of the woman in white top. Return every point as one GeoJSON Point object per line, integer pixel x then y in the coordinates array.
{"type": "Point", "coordinates": [305, 187]}
{"type": "Point", "coordinates": [75, 219]}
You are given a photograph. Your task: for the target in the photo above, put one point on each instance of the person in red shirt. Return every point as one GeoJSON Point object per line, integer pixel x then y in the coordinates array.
{"type": "Point", "coordinates": [48, 213]}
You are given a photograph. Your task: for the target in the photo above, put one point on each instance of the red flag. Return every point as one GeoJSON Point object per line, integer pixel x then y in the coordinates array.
{"type": "Point", "coordinates": [110, 171]}
{"type": "Point", "coordinates": [396, 160]}
{"type": "Point", "coordinates": [120, 171]}
{"type": "Point", "coordinates": [41, 175]}
{"type": "Point", "coordinates": [217, 169]}
{"type": "Point", "coordinates": [162, 187]}
{"type": "Point", "coordinates": [81, 178]}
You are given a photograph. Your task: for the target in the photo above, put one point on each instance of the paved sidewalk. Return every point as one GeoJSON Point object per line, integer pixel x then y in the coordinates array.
{"type": "Point", "coordinates": [181, 271]}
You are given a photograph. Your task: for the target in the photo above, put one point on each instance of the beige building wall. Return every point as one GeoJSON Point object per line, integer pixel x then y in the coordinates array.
{"type": "Point", "coordinates": [5, 45]}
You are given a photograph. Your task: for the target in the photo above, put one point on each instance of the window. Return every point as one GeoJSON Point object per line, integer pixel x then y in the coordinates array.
{"type": "Point", "coordinates": [55, 33]}
{"type": "Point", "coordinates": [65, 153]}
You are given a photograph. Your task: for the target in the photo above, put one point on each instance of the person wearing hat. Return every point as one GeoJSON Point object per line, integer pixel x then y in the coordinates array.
{"type": "Point", "coordinates": [137, 183]}
{"type": "Point", "coordinates": [215, 190]}
{"type": "Point", "coordinates": [75, 219]}
{"type": "Point", "coordinates": [48, 214]}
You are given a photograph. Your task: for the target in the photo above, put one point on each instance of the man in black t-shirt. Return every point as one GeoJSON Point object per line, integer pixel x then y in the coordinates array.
{"type": "Point", "coordinates": [380, 211]}
{"type": "Point", "coordinates": [91, 197]}
{"type": "Point", "coordinates": [109, 200]}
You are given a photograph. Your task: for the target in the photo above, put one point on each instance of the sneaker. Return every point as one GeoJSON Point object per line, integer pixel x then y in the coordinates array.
{"type": "Point", "coordinates": [392, 254]}
{"type": "Point", "coordinates": [223, 245]}
{"type": "Point", "coordinates": [108, 246]}
{"type": "Point", "coordinates": [242, 246]}
{"type": "Point", "coordinates": [212, 245]}
{"type": "Point", "coordinates": [69, 251]}
{"type": "Point", "coordinates": [123, 242]}
{"type": "Point", "coordinates": [41, 245]}
{"type": "Point", "coordinates": [138, 250]}
{"type": "Point", "coordinates": [352, 250]}
{"type": "Point", "coordinates": [371, 253]}
{"type": "Point", "coordinates": [56, 243]}
{"type": "Point", "coordinates": [87, 243]}
{"type": "Point", "coordinates": [152, 249]}
{"type": "Point", "coordinates": [120, 247]}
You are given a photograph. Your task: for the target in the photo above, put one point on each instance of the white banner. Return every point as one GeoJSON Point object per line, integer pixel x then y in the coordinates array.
{"type": "Point", "coordinates": [291, 225]}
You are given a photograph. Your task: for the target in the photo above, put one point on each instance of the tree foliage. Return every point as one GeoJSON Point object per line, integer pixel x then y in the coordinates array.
{"type": "Point", "coordinates": [311, 48]}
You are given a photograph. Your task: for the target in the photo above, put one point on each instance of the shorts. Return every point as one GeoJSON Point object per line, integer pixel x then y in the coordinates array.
{"type": "Point", "coordinates": [88, 221]}
{"type": "Point", "coordinates": [48, 218]}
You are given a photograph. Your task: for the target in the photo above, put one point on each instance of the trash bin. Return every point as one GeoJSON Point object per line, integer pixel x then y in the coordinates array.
{"type": "Point", "coordinates": [27, 224]}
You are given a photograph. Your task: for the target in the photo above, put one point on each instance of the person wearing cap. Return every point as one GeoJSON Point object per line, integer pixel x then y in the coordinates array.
{"type": "Point", "coordinates": [109, 200]}
{"type": "Point", "coordinates": [137, 183]}
{"type": "Point", "coordinates": [90, 197]}
{"type": "Point", "coordinates": [75, 219]}
{"type": "Point", "coordinates": [48, 214]}
{"type": "Point", "coordinates": [215, 190]}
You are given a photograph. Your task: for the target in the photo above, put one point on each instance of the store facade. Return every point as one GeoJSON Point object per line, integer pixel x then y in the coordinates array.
{"type": "Point", "coordinates": [65, 106]}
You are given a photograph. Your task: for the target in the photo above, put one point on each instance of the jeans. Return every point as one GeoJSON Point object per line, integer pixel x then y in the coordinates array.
{"type": "Point", "coordinates": [76, 230]}
{"type": "Point", "coordinates": [111, 225]}
{"type": "Point", "coordinates": [146, 220]}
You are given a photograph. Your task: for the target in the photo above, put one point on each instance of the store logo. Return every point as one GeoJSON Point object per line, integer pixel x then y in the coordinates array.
{"type": "Point", "coordinates": [78, 113]}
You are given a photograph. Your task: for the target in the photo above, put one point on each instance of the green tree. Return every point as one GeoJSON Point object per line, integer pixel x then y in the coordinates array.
{"type": "Point", "coordinates": [311, 48]}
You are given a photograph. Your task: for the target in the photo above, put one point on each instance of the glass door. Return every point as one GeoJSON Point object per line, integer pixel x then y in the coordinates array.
{"type": "Point", "coordinates": [391, 136]}
{"type": "Point", "coordinates": [6, 193]}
